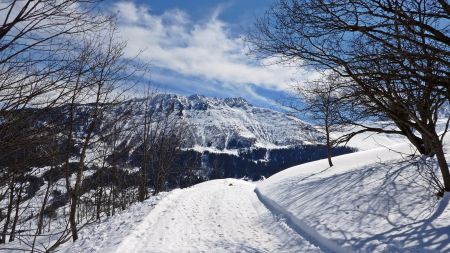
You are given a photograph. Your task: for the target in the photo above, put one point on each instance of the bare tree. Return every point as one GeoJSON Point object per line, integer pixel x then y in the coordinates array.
{"type": "Point", "coordinates": [35, 26]}
{"type": "Point", "coordinates": [62, 73]}
{"type": "Point", "coordinates": [101, 85]}
{"type": "Point", "coordinates": [147, 146]}
{"type": "Point", "coordinates": [161, 141]}
{"type": "Point", "coordinates": [36, 40]}
{"type": "Point", "coordinates": [395, 53]}
{"type": "Point", "coordinates": [167, 146]}
{"type": "Point", "coordinates": [323, 101]}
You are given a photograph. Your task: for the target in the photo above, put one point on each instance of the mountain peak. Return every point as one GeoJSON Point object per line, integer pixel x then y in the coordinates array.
{"type": "Point", "coordinates": [237, 102]}
{"type": "Point", "coordinates": [202, 102]}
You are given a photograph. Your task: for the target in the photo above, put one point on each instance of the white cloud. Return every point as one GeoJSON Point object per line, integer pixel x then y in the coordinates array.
{"type": "Point", "coordinates": [204, 50]}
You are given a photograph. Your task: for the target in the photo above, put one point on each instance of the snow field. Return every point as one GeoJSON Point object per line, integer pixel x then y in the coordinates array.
{"type": "Point", "coordinates": [215, 216]}
{"type": "Point", "coordinates": [370, 201]}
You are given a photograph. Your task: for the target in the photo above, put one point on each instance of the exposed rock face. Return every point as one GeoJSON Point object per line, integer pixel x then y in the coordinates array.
{"type": "Point", "coordinates": [233, 123]}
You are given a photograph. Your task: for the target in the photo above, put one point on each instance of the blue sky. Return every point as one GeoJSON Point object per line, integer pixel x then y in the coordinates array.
{"type": "Point", "coordinates": [234, 12]}
{"type": "Point", "coordinates": [197, 47]}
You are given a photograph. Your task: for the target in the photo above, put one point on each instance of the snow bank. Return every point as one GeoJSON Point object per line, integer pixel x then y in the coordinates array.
{"type": "Point", "coordinates": [106, 235]}
{"type": "Point", "coordinates": [370, 201]}
{"type": "Point", "coordinates": [301, 227]}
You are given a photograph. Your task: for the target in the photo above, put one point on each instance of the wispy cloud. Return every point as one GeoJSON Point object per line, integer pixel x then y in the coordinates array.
{"type": "Point", "coordinates": [206, 49]}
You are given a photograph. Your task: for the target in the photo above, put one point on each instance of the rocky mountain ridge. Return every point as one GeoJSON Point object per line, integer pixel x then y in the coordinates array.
{"type": "Point", "coordinates": [224, 124]}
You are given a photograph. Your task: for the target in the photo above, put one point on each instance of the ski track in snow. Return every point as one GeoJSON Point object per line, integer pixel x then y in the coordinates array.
{"type": "Point", "coordinates": [215, 216]}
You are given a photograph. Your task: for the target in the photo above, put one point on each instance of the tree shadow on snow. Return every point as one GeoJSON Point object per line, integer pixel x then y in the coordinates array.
{"type": "Point", "coordinates": [382, 208]}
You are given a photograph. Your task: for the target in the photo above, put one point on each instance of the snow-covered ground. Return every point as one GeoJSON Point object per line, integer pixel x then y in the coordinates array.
{"type": "Point", "coordinates": [215, 216]}
{"type": "Point", "coordinates": [105, 236]}
{"type": "Point", "coordinates": [370, 201]}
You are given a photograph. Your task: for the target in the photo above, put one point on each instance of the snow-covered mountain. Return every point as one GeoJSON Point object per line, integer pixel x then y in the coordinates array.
{"type": "Point", "coordinates": [229, 137]}
{"type": "Point", "coordinates": [227, 124]}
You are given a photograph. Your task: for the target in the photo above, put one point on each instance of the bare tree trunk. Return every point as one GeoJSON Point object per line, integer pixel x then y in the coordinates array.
{"type": "Point", "coordinates": [108, 204]}
{"type": "Point", "coordinates": [123, 200]}
{"type": "Point", "coordinates": [16, 215]}
{"type": "Point", "coordinates": [75, 195]}
{"type": "Point", "coordinates": [114, 201]}
{"type": "Point", "coordinates": [443, 165]}
{"type": "Point", "coordinates": [41, 212]}
{"type": "Point", "coordinates": [8, 214]}
{"type": "Point", "coordinates": [99, 202]}
{"type": "Point", "coordinates": [158, 182]}
{"type": "Point", "coordinates": [72, 220]}
{"type": "Point", "coordinates": [41, 216]}
{"type": "Point", "coordinates": [67, 163]}
{"type": "Point", "coordinates": [329, 145]}
{"type": "Point", "coordinates": [142, 190]}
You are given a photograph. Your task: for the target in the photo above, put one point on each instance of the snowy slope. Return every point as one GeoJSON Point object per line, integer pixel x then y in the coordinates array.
{"type": "Point", "coordinates": [370, 201]}
{"type": "Point", "coordinates": [232, 123]}
{"type": "Point", "coordinates": [215, 216]}
{"type": "Point", "coordinates": [106, 235]}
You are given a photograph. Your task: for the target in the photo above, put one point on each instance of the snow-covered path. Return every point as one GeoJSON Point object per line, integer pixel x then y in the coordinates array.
{"type": "Point", "coordinates": [215, 216]}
